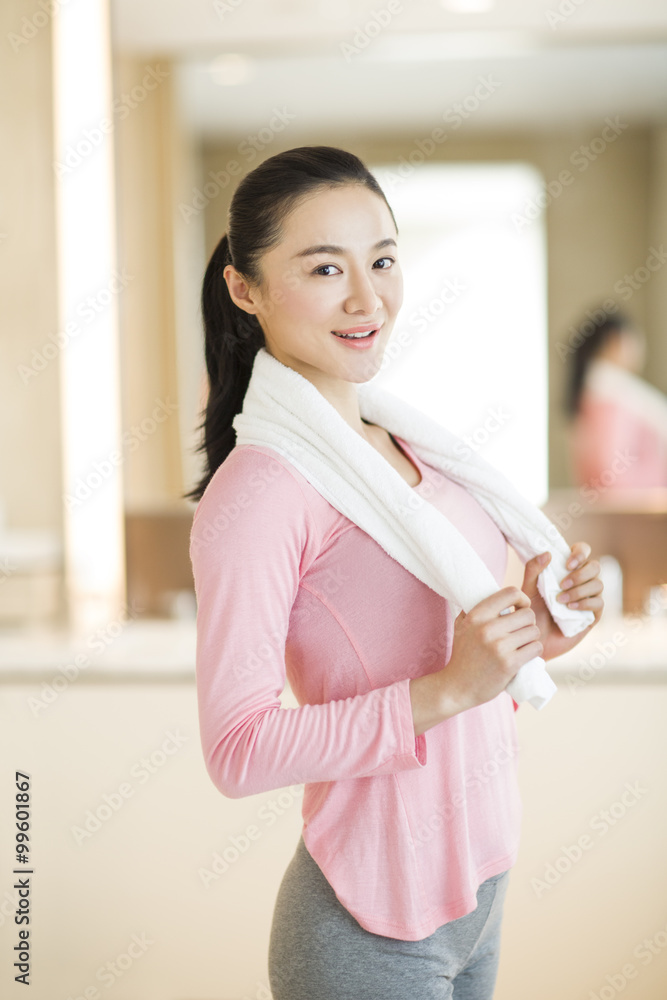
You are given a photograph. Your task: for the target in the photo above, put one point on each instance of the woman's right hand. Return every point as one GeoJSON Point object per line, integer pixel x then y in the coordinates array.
{"type": "Point", "coordinates": [488, 649]}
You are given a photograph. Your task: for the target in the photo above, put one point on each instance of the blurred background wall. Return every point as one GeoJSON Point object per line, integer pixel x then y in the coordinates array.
{"type": "Point", "coordinates": [30, 442]}
{"type": "Point", "coordinates": [217, 75]}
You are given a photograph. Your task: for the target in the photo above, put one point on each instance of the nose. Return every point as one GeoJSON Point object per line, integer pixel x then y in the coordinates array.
{"type": "Point", "coordinates": [362, 296]}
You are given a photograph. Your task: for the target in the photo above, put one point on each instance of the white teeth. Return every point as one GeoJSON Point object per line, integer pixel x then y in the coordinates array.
{"type": "Point", "coordinates": [354, 336]}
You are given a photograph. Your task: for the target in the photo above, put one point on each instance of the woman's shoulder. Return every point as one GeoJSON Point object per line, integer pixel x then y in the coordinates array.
{"type": "Point", "coordinates": [256, 488]}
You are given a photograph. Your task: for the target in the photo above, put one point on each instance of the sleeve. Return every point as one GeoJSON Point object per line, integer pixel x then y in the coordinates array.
{"type": "Point", "coordinates": [249, 542]}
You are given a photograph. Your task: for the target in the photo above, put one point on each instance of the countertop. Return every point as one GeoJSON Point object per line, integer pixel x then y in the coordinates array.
{"type": "Point", "coordinates": [629, 649]}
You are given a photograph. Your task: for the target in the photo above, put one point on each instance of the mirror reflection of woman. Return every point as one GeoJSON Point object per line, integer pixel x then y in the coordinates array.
{"type": "Point", "coordinates": [404, 737]}
{"type": "Point", "coordinates": [618, 432]}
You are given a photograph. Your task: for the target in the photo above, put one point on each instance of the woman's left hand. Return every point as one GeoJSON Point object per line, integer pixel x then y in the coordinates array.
{"type": "Point", "coordinates": [581, 589]}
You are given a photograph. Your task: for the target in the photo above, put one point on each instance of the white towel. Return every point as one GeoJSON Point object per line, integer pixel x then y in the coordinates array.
{"type": "Point", "coordinates": [284, 411]}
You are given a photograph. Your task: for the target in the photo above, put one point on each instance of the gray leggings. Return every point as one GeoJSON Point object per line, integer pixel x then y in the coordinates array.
{"type": "Point", "coordinates": [319, 951]}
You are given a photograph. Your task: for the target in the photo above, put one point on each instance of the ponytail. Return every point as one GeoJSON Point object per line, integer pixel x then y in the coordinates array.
{"type": "Point", "coordinates": [232, 338]}
{"type": "Point", "coordinates": [259, 207]}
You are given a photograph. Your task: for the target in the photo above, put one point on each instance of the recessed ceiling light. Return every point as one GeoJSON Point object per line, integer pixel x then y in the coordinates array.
{"type": "Point", "coordinates": [439, 46]}
{"type": "Point", "coordinates": [231, 69]}
{"type": "Point", "coordinates": [468, 6]}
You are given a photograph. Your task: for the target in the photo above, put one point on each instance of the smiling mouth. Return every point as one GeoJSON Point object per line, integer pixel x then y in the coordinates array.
{"type": "Point", "coordinates": [360, 333]}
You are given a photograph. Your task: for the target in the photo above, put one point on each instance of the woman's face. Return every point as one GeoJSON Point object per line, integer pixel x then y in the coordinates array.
{"type": "Point", "coordinates": [626, 347]}
{"type": "Point", "coordinates": [633, 349]}
{"type": "Point", "coordinates": [336, 269]}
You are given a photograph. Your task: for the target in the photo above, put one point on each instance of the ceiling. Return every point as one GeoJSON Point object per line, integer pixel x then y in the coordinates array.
{"type": "Point", "coordinates": [389, 66]}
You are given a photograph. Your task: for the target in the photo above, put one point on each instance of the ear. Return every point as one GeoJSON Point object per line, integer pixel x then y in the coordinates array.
{"type": "Point", "coordinates": [239, 290]}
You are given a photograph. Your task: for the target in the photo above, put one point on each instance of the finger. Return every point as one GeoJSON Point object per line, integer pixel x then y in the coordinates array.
{"type": "Point", "coordinates": [571, 585]}
{"type": "Point", "coordinates": [524, 655]}
{"type": "Point", "coordinates": [502, 600]}
{"type": "Point", "coordinates": [588, 571]}
{"type": "Point", "coordinates": [522, 637]}
{"type": "Point", "coordinates": [527, 653]}
{"type": "Point", "coordinates": [518, 619]}
{"type": "Point", "coordinates": [594, 604]}
{"type": "Point", "coordinates": [590, 602]}
{"type": "Point", "coordinates": [578, 594]}
{"type": "Point", "coordinates": [532, 570]}
{"type": "Point", "coordinates": [579, 553]}
{"type": "Point", "coordinates": [507, 624]}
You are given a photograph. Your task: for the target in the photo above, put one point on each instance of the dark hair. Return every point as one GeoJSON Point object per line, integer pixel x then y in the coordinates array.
{"type": "Point", "coordinates": [594, 333]}
{"type": "Point", "coordinates": [261, 203]}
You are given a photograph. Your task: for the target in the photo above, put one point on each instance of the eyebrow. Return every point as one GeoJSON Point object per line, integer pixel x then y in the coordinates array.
{"type": "Point", "coordinates": [333, 249]}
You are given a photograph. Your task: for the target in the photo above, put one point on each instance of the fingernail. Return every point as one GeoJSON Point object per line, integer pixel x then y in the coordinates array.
{"type": "Point", "coordinates": [566, 583]}
{"type": "Point", "coordinates": [571, 563]}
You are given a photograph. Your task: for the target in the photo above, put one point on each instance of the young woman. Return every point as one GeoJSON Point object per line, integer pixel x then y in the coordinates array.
{"type": "Point", "coordinates": [404, 737]}
{"type": "Point", "coordinates": [618, 430]}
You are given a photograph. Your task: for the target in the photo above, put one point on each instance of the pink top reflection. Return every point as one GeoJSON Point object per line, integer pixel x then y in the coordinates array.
{"type": "Point", "coordinates": [619, 437]}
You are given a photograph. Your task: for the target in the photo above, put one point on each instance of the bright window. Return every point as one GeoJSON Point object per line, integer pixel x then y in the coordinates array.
{"type": "Point", "coordinates": [470, 344]}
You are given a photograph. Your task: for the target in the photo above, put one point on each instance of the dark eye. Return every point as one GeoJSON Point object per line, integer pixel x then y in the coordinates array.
{"type": "Point", "coordinates": [387, 266]}
{"type": "Point", "coordinates": [319, 270]}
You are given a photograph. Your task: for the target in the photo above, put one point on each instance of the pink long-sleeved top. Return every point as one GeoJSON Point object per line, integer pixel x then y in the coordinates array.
{"type": "Point", "coordinates": [405, 828]}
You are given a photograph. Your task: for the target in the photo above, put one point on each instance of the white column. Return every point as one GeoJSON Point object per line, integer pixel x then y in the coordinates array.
{"type": "Point", "coordinates": [88, 285]}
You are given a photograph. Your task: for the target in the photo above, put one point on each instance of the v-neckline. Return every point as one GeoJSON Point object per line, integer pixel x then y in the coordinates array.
{"type": "Point", "coordinates": [412, 459]}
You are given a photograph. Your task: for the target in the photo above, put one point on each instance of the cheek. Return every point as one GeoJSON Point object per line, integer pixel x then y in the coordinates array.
{"type": "Point", "coordinates": [281, 298]}
{"type": "Point", "coordinates": [311, 302]}
{"type": "Point", "coordinates": [394, 297]}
